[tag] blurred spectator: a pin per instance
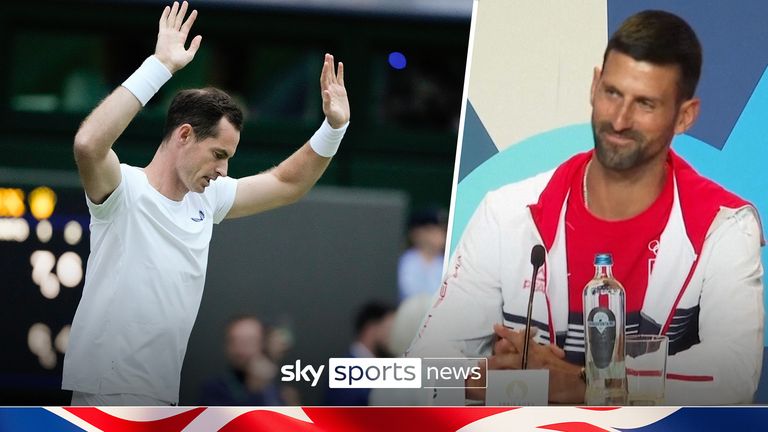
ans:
(250, 378)
(420, 269)
(279, 341)
(373, 325)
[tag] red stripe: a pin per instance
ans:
(266, 421)
(573, 427)
(643, 373)
(597, 408)
(693, 378)
(386, 419)
(680, 296)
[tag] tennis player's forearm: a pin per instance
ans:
(301, 171)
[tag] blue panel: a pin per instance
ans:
(734, 40)
(33, 419)
(477, 145)
(710, 419)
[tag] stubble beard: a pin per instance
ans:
(614, 158)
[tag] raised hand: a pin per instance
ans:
(335, 102)
(172, 36)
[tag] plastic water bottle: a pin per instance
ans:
(604, 314)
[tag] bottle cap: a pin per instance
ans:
(603, 259)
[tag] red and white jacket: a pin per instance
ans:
(707, 275)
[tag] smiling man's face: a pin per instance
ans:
(635, 110)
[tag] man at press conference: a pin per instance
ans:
(686, 250)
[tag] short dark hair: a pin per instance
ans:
(661, 38)
(427, 216)
(370, 313)
(202, 109)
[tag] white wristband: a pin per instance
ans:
(147, 79)
(326, 140)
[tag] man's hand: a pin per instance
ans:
(565, 385)
(335, 102)
(508, 351)
(172, 36)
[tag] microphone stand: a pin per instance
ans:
(537, 260)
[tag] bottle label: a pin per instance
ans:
(601, 325)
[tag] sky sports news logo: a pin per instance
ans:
(391, 372)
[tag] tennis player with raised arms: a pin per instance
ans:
(151, 226)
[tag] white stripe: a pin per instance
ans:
(531, 419)
(213, 419)
(676, 332)
(513, 326)
(680, 324)
(77, 421)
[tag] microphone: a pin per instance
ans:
(537, 260)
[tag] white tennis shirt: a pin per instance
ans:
(143, 286)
